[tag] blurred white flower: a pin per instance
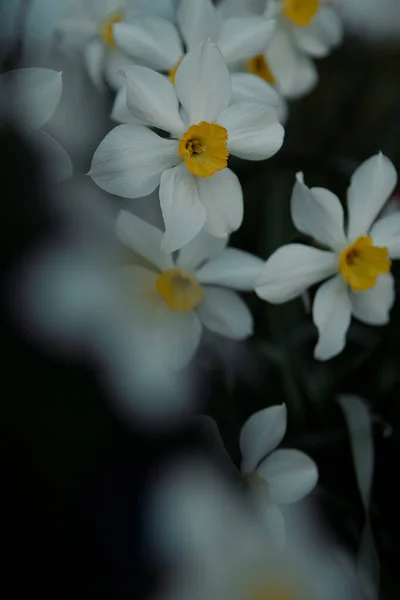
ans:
(304, 30)
(88, 26)
(158, 44)
(65, 297)
(31, 96)
(174, 299)
(215, 549)
(376, 20)
(274, 477)
(363, 286)
(196, 188)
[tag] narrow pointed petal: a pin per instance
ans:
(202, 248)
(183, 212)
(292, 269)
(222, 198)
(232, 268)
(35, 94)
(371, 185)
(224, 312)
(290, 475)
(151, 41)
(254, 132)
(261, 434)
(198, 21)
(386, 232)
(373, 306)
(203, 84)
(151, 98)
(142, 238)
(332, 316)
(130, 160)
(318, 213)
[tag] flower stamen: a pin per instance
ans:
(180, 291)
(259, 66)
(203, 148)
(301, 12)
(106, 30)
(173, 71)
(361, 263)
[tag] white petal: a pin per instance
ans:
(130, 160)
(94, 54)
(34, 92)
(183, 213)
(203, 84)
(222, 198)
(120, 111)
(386, 232)
(373, 306)
(261, 434)
(371, 185)
(151, 41)
(198, 21)
(241, 38)
(151, 98)
(178, 333)
(332, 316)
(224, 312)
(113, 63)
(251, 88)
(57, 162)
(142, 238)
(290, 475)
(294, 72)
(318, 213)
(324, 32)
(203, 247)
(273, 522)
(291, 269)
(174, 335)
(232, 268)
(254, 131)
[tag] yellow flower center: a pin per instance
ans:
(106, 30)
(301, 12)
(203, 148)
(179, 290)
(173, 71)
(259, 66)
(361, 263)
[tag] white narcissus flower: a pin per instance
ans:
(305, 30)
(196, 188)
(174, 299)
(275, 477)
(158, 44)
(88, 27)
(357, 268)
(31, 96)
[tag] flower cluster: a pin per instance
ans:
(193, 87)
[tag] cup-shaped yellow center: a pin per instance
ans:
(173, 71)
(179, 290)
(203, 148)
(106, 30)
(259, 66)
(361, 263)
(301, 12)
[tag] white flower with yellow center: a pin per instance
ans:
(88, 27)
(32, 96)
(305, 29)
(359, 262)
(174, 299)
(274, 477)
(158, 44)
(196, 188)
